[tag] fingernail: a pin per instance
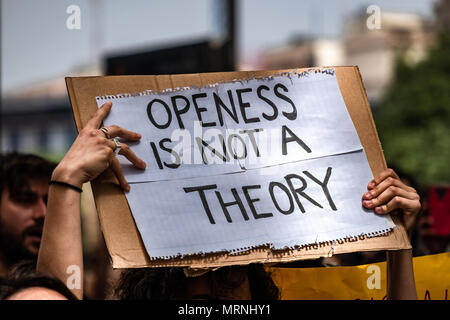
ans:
(368, 202)
(372, 184)
(368, 195)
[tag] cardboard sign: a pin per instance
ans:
(222, 187)
(124, 242)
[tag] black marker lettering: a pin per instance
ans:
(200, 143)
(323, 185)
(269, 102)
(232, 150)
(199, 110)
(237, 201)
(156, 154)
(169, 150)
(251, 200)
(177, 111)
(299, 191)
(201, 193)
(243, 105)
(293, 137)
(220, 104)
(272, 185)
(252, 139)
(293, 114)
(150, 114)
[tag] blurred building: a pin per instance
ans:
(305, 52)
(215, 53)
(373, 50)
(195, 56)
(38, 118)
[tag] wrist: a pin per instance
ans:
(68, 175)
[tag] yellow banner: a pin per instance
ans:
(365, 282)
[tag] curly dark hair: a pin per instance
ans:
(18, 169)
(23, 276)
(170, 283)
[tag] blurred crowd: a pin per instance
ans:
(24, 192)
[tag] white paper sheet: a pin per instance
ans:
(322, 121)
(173, 222)
(318, 126)
(287, 132)
(131, 113)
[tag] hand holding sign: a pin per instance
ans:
(92, 153)
(388, 193)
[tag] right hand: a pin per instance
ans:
(92, 153)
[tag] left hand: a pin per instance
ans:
(388, 193)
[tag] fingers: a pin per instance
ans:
(385, 197)
(99, 115)
(126, 151)
(392, 186)
(116, 131)
(118, 171)
(117, 168)
(388, 173)
(112, 132)
(387, 193)
(131, 156)
(407, 205)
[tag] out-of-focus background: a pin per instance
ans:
(402, 49)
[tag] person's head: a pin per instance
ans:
(23, 204)
(235, 282)
(24, 283)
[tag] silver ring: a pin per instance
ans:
(106, 132)
(118, 146)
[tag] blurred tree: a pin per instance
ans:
(413, 119)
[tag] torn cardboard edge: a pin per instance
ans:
(290, 74)
(269, 247)
(265, 255)
(121, 236)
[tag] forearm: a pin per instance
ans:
(92, 152)
(60, 252)
(400, 275)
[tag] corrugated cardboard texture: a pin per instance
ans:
(119, 229)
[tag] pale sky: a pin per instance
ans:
(36, 44)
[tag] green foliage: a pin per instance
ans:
(413, 119)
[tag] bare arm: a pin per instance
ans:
(386, 194)
(400, 276)
(61, 252)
